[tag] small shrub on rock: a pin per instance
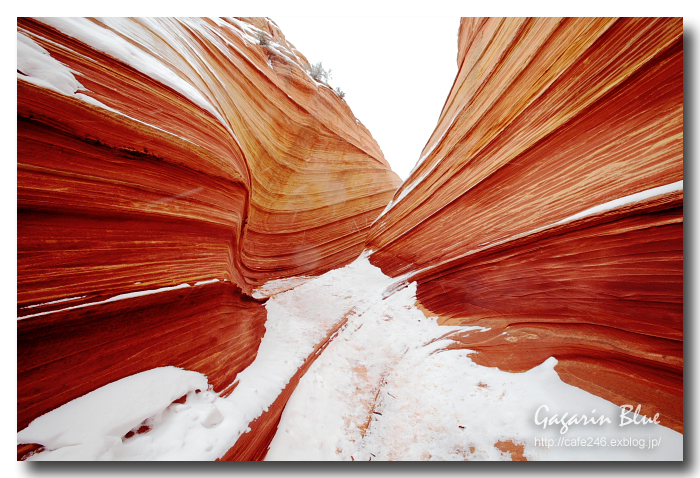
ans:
(319, 73)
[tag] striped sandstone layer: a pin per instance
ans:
(548, 204)
(154, 153)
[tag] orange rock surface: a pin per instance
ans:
(212, 329)
(269, 169)
(187, 152)
(546, 119)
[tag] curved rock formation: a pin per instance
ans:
(154, 153)
(548, 204)
(189, 123)
(167, 169)
(212, 329)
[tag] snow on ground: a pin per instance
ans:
(384, 389)
(207, 425)
(112, 410)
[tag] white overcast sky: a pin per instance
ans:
(396, 73)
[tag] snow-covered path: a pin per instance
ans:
(385, 388)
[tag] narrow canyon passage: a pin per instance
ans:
(215, 261)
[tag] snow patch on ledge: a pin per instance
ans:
(112, 410)
(54, 302)
(128, 295)
(37, 66)
(203, 282)
(119, 48)
(632, 198)
(111, 299)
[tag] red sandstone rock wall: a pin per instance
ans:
(212, 329)
(548, 118)
(268, 167)
(189, 152)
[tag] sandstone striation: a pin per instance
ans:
(168, 169)
(154, 153)
(548, 204)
